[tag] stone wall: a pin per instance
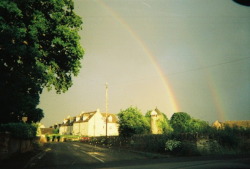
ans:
(10, 145)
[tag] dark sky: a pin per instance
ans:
(191, 56)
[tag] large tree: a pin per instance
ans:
(180, 122)
(131, 121)
(39, 47)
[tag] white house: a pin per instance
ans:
(66, 127)
(94, 124)
(112, 124)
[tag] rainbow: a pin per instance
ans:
(174, 104)
(216, 99)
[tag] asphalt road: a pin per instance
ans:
(74, 155)
(78, 155)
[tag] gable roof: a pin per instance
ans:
(70, 121)
(45, 131)
(114, 117)
(85, 117)
(158, 111)
(217, 124)
(242, 123)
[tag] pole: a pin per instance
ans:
(106, 109)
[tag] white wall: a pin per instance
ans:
(113, 129)
(96, 125)
(84, 129)
(65, 130)
(76, 127)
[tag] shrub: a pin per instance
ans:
(19, 130)
(215, 147)
(53, 138)
(56, 131)
(228, 137)
(187, 148)
(172, 144)
(58, 138)
(48, 138)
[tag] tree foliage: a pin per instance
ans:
(39, 47)
(198, 126)
(131, 121)
(182, 122)
(163, 124)
(19, 130)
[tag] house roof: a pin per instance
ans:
(85, 117)
(46, 131)
(243, 123)
(114, 117)
(67, 124)
(217, 124)
(158, 111)
(70, 121)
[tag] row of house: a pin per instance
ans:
(90, 124)
(242, 123)
(101, 124)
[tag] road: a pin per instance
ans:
(79, 155)
(74, 155)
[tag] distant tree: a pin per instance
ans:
(165, 124)
(131, 121)
(183, 122)
(162, 122)
(198, 126)
(55, 131)
(148, 115)
(39, 47)
(180, 122)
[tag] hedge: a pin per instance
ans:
(19, 130)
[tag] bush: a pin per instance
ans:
(172, 144)
(19, 130)
(58, 138)
(187, 148)
(48, 138)
(228, 137)
(150, 143)
(215, 147)
(56, 131)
